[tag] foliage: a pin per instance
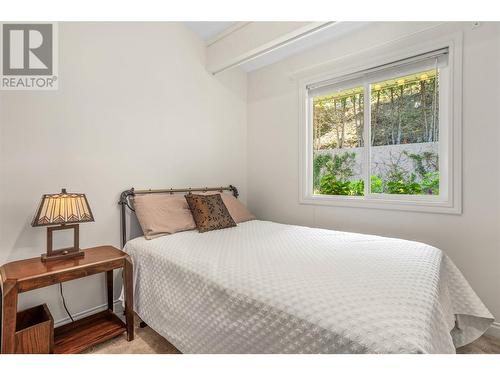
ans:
(424, 163)
(400, 184)
(357, 187)
(376, 184)
(403, 110)
(340, 118)
(341, 166)
(430, 183)
(334, 176)
(336, 179)
(319, 163)
(405, 113)
(329, 185)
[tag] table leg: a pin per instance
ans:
(9, 313)
(129, 297)
(109, 285)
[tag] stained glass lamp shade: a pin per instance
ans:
(62, 211)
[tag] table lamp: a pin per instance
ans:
(60, 212)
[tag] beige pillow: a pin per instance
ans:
(236, 209)
(161, 214)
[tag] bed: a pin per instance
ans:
(265, 287)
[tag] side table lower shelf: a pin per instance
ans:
(81, 334)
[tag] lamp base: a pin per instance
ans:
(63, 254)
(67, 253)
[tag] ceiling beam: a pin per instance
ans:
(256, 39)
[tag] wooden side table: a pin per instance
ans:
(24, 275)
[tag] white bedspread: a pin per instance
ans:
(263, 287)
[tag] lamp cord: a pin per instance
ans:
(64, 302)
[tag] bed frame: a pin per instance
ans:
(125, 201)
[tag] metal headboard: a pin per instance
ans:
(125, 200)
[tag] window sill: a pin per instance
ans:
(382, 203)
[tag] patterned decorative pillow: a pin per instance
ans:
(209, 212)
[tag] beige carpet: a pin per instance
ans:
(148, 341)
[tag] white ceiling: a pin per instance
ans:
(208, 30)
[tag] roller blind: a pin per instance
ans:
(434, 59)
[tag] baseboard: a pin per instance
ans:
(494, 330)
(117, 307)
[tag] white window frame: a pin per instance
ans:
(450, 134)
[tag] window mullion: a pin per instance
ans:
(367, 138)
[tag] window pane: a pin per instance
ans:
(405, 135)
(338, 143)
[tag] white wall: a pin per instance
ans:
(135, 107)
(470, 239)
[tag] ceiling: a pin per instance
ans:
(207, 30)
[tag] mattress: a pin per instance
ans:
(264, 287)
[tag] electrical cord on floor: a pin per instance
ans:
(64, 302)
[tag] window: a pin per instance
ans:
(383, 137)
